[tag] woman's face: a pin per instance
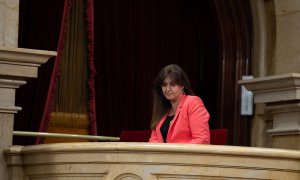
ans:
(171, 90)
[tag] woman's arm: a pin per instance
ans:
(198, 120)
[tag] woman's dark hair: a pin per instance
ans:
(160, 104)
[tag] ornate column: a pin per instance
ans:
(16, 65)
(9, 22)
(281, 96)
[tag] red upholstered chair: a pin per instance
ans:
(218, 136)
(135, 135)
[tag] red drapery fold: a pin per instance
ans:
(56, 69)
(91, 84)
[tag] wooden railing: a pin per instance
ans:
(137, 161)
(61, 135)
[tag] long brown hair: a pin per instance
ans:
(160, 104)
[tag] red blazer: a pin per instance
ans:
(190, 123)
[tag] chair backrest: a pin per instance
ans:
(218, 136)
(135, 135)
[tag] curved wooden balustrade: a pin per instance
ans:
(63, 135)
(135, 161)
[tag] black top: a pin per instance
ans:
(165, 127)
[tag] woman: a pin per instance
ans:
(178, 116)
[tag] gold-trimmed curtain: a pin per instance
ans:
(70, 104)
(72, 89)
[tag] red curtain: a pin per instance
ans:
(56, 69)
(37, 105)
(58, 61)
(39, 28)
(91, 81)
(134, 39)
